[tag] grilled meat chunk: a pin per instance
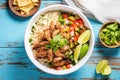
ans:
(64, 49)
(61, 63)
(41, 52)
(56, 59)
(50, 55)
(52, 27)
(47, 34)
(55, 33)
(40, 44)
(59, 54)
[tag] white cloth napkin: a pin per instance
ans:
(103, 10)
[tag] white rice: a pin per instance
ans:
(43, 22)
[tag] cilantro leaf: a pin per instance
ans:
(57, 42)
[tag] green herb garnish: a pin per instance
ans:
(57, 42)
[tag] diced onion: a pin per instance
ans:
(66, 21)
(72, 33)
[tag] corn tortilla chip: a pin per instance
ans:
(22, 13)
(35, 1)
(36, 4)
(15, 2)
(17, 8)
(27, 8)
(22, 3)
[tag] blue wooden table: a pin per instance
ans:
(15, 64)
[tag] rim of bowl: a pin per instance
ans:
(41, 66)
(104, 26)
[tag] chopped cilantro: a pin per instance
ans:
(57, 42)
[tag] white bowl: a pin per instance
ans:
(29, 50)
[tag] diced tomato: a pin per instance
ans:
(73, 25)
(68, 66)
(80, 21)
(72, 33)
(81, 25)
(76, 38)
(71, 29)
(64, 15)
(59, 68)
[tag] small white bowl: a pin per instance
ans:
(29, 50)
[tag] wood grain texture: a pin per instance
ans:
(15, 65)
(3, 5)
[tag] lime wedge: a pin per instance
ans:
(107, 70)
(77, 53)
(84, 37)
(101, 66)
(84, 50)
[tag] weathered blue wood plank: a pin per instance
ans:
(15, 60)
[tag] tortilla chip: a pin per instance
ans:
(22, 13)
(27, 8)
(36, 4)
(17, 8)
(15, 2)
(22, 3)
(34, 1)
(27, 13)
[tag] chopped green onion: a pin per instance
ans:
(33, 28)
(30, 40)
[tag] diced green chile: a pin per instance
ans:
(112, 26)
(111, 34)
